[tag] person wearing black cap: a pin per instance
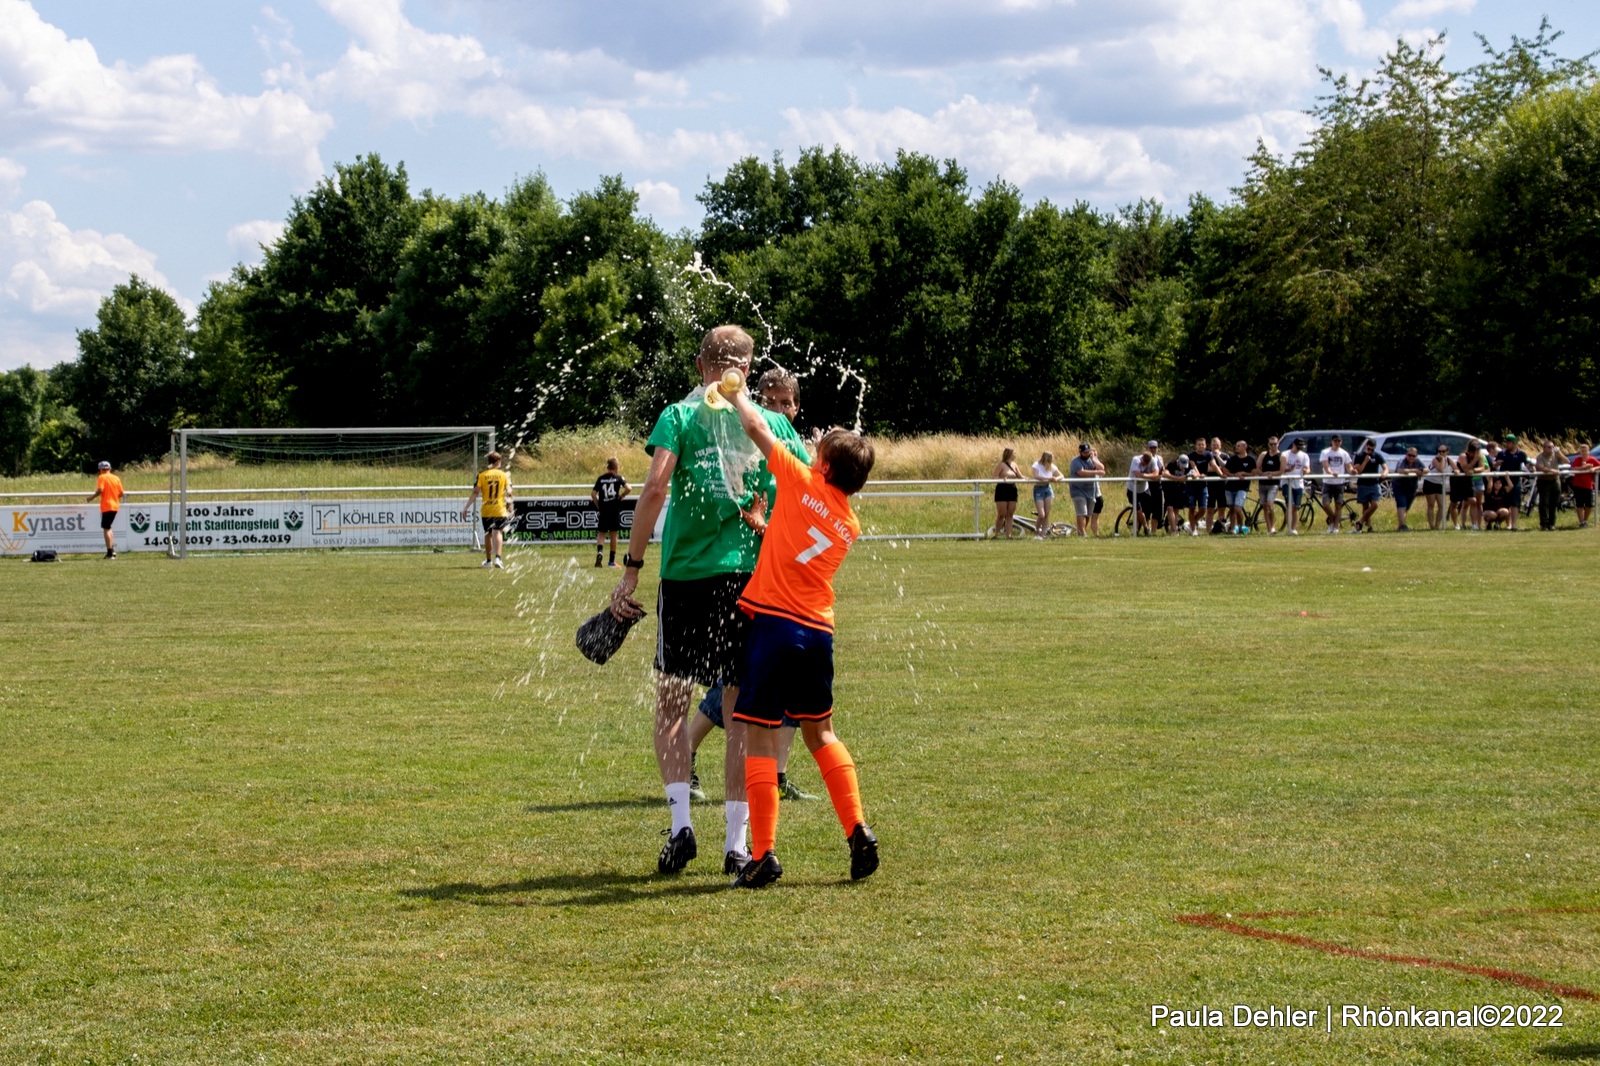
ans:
(108, 490)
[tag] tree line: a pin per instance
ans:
(1430, 256)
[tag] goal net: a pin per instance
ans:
(243, 489)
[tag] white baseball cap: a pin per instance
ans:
(104, 465)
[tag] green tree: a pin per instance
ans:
(22, 393)
(310, 304)
(1527, 336)
(236, 382)
(132, 372)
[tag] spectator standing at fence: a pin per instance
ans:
(1513, 460)
(610, 489)
(1434, 484)
(1472, 466)
(1583, 483)
(1241, 466)
(108, 490)
(1081, 473)
(1144, 475)
(1045, 474)
(1407, 477)
(1099, 492)
(1175, 491)
(1371, 472)
(1296, 465)
(1197, 490)
(1269, 463)
(1217, 472)
(494, 488)
(1335, 463)
(1548, 464)
(1006, 473)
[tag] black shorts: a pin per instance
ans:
(106, 518)
(700, 631)
(1582, 497)
(610, 519)
(1460, 488)
(788, 671)
(1006, 493)
(1099, 505)
(1432, 488)
(492, 524)
(1333, 494)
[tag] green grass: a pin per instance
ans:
(353, 807)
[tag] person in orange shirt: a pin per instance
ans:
(788, 664)
(108, 490)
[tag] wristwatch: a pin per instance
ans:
(631, 563)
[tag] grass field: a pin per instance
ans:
(354, 808)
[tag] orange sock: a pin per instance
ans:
(839, 774)
(761, 789)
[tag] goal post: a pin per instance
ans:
(378, 486)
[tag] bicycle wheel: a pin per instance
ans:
(1124, 523)
(1280, 516)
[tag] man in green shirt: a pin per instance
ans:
(718, 483)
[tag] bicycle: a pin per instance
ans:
(1031, 525)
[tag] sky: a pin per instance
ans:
(169, 139)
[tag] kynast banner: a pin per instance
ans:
(242, 525)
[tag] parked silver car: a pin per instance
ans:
(1318, 439)
(1392, 446)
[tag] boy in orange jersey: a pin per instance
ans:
(108, 490)
(788, 665)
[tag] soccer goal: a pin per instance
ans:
(381, 487)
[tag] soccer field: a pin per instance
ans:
(375, 808)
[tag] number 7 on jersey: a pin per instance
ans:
(819, 544)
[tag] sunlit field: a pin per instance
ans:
(363, 808)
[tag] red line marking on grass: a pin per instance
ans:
(1226, 924)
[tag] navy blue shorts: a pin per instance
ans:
(788, 672)
(711, 707)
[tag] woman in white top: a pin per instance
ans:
(1045, 474)
(1434, 483)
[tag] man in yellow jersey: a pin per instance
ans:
(494, 486)
(108, 490)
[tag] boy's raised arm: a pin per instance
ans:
(755, 427)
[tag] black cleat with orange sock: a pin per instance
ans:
(863, 852)
(759, 873)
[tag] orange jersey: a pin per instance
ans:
(110, 488)
(811, 528)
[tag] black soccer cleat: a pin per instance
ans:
(863, 852)
(734, 861)
(677, 851)
(759, 873)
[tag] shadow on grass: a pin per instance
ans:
(587, 890)
(1570, 1052)
(593, 805)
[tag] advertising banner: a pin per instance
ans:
(560, 518)
(252, 524)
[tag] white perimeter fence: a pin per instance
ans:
(429, 516)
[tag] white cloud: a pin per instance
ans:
(659, 199)
(52, 270)
(988, 139)
(55, 93)
(11, 175)
(248, 238)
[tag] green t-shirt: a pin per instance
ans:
(718, 469)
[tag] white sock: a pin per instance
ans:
(738, 812)
(678, 804)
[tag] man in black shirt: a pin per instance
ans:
(1200, 493)
(1512, 460)
(607, 496)
(1239, 465)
